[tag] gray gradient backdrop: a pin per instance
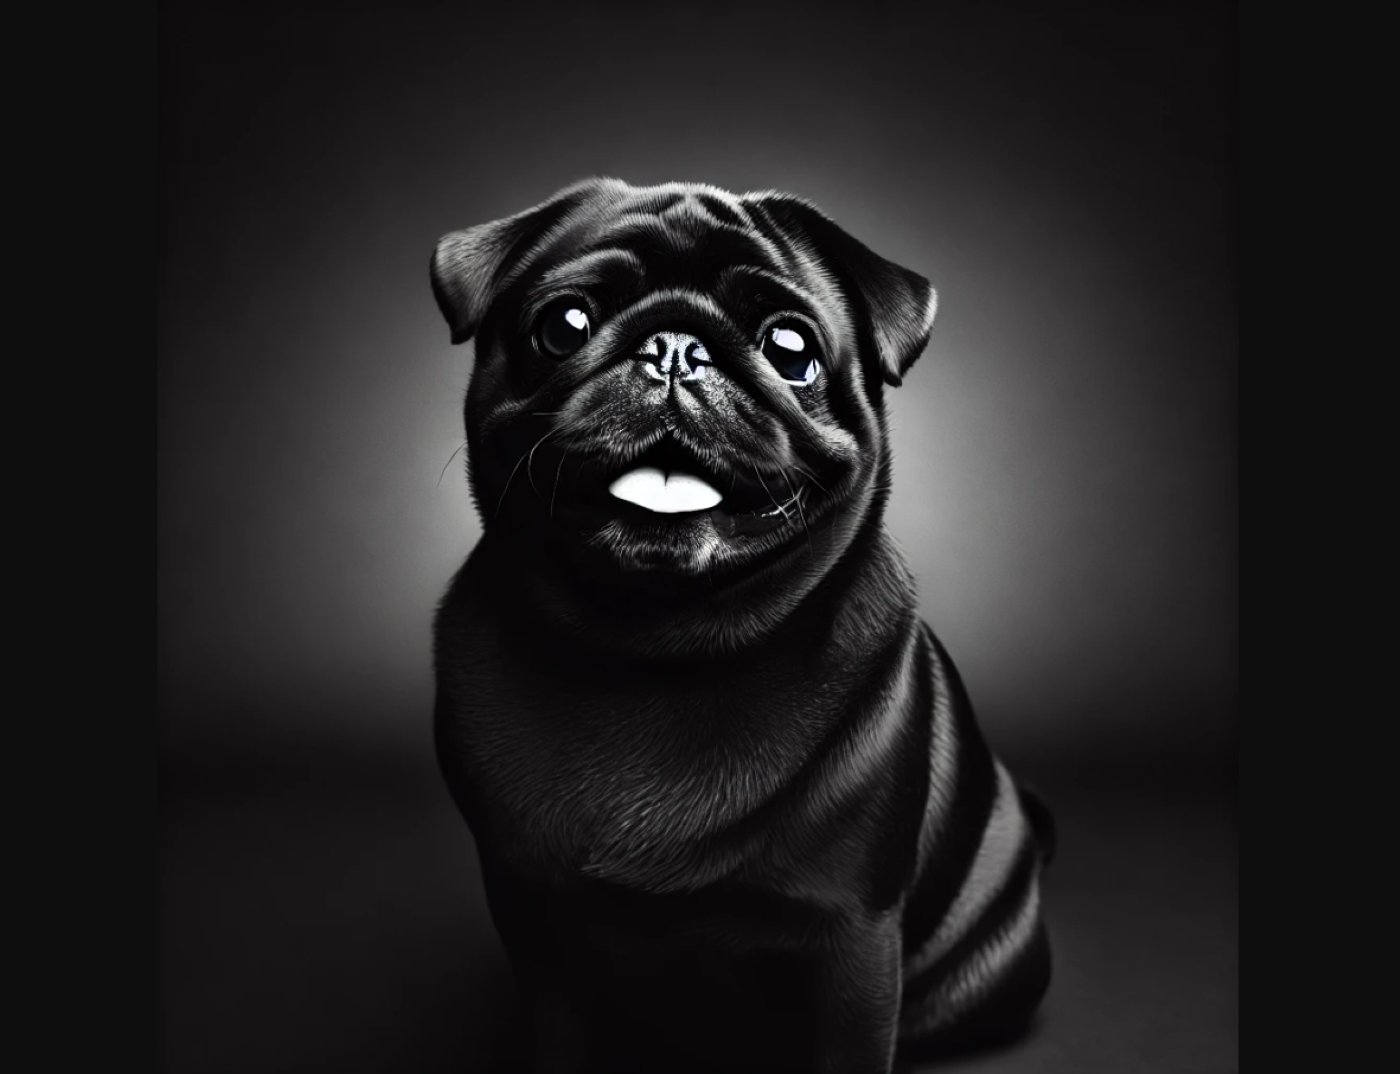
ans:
(1065, 480)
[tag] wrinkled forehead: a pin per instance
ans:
(686, 236)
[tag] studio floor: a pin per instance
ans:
(337, 924)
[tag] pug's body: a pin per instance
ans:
(731, 804)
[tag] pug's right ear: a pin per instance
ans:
(469, 266)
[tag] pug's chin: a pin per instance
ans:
(688, 545)
(700, 542)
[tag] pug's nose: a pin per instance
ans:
(668, 355)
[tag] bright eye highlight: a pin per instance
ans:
(792, 349)
(563, 328)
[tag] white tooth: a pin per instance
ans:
(686, 492)
(642, 486)
(667, 495)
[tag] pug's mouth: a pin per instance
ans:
(669, 487)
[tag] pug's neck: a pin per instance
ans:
(529, 716)
(639, 616)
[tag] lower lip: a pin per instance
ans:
(750, 525)
(727, 525)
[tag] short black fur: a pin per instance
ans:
(732, 805)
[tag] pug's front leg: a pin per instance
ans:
(859, 987)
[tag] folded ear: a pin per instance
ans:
(899, 303)
(468, 266)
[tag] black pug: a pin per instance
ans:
(731, 804)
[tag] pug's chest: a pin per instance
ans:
(632, 784)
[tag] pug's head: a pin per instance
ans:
(678, 389)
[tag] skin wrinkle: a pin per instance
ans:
(582, 271)
(943, 753)
(1005, 839)
(981, 969)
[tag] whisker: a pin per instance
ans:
(812, 478)
(797, 500)
(563, 456)
(516, 469)
(449, 463)
(554, 492)
(529, 472)
(781, 509)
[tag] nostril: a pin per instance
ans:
(695, 352)
(674, 354)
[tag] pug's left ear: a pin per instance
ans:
(900, 303)
(468, 266)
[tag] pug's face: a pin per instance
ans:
(678, 381)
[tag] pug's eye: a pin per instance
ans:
(792, 349)
(563, 328)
